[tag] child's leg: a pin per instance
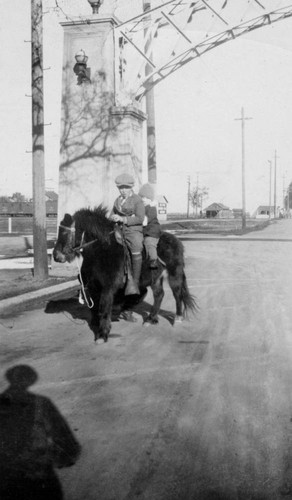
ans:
(151, 248)
(134, 240)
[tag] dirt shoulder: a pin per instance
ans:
(14, 282)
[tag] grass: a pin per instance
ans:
(215, 226)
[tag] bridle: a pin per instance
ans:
(71, 229)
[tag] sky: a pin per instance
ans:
(198, 133)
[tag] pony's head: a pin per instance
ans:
(64, 247)
(85, 226)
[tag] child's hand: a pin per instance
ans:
(117, 218)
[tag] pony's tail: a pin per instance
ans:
(188, 300)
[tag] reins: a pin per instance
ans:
(68, 228)
(90, 306)
(84, 245)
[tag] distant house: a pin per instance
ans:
(25, 208)
(51, 204)
(219, 211)
(51, 196)
(264, 212)
(16, 208)
(237, 212)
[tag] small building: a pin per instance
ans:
(219, 211)
(50, 195)
(11, 208)
(237, 213)
(264, 212)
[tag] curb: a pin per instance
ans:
(37, 296)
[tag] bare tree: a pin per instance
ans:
(197, 196)
(86, 122)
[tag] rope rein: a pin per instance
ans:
(68, 228)
(91, 304)
(82, 245)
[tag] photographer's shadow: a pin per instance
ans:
(34, 439)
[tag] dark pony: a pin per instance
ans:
(103, 268)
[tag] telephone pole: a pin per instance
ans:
(150, 110)
(197, 201)
(242, 119)
(284, 178)
(275, 185)
(188, 194)
(38, 167)
(270, 191)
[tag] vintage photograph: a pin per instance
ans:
(146, 250)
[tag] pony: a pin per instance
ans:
(103, 270)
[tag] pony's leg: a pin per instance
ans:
(94, 293)
(175, 282)
(104, 315)
(158, 294)
(127, 312)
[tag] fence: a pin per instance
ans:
(24, 225)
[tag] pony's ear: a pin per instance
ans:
(68, 220)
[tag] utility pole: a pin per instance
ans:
(188, 194)
(197, 200)
(283, 177)
(275, 185)
(150, 110)
(242, 119)
(270, 191)
(38, 167)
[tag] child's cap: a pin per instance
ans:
(125, 180)
(147, 191)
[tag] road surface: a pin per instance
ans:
(197, 411)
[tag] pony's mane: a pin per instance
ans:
(94, 222)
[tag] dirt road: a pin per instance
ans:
(197, 411)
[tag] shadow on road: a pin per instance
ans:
(81, 312)
(34, 440)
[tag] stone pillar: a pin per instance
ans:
(99, 139)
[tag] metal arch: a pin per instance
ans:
(198, 50)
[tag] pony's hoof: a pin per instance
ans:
(128, 316)
(100, 337)
(150, 321)
(178, 319)
(100, 340)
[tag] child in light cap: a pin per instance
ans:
(151, 226)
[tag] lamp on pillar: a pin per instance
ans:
(80, 68)
(95, 4)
